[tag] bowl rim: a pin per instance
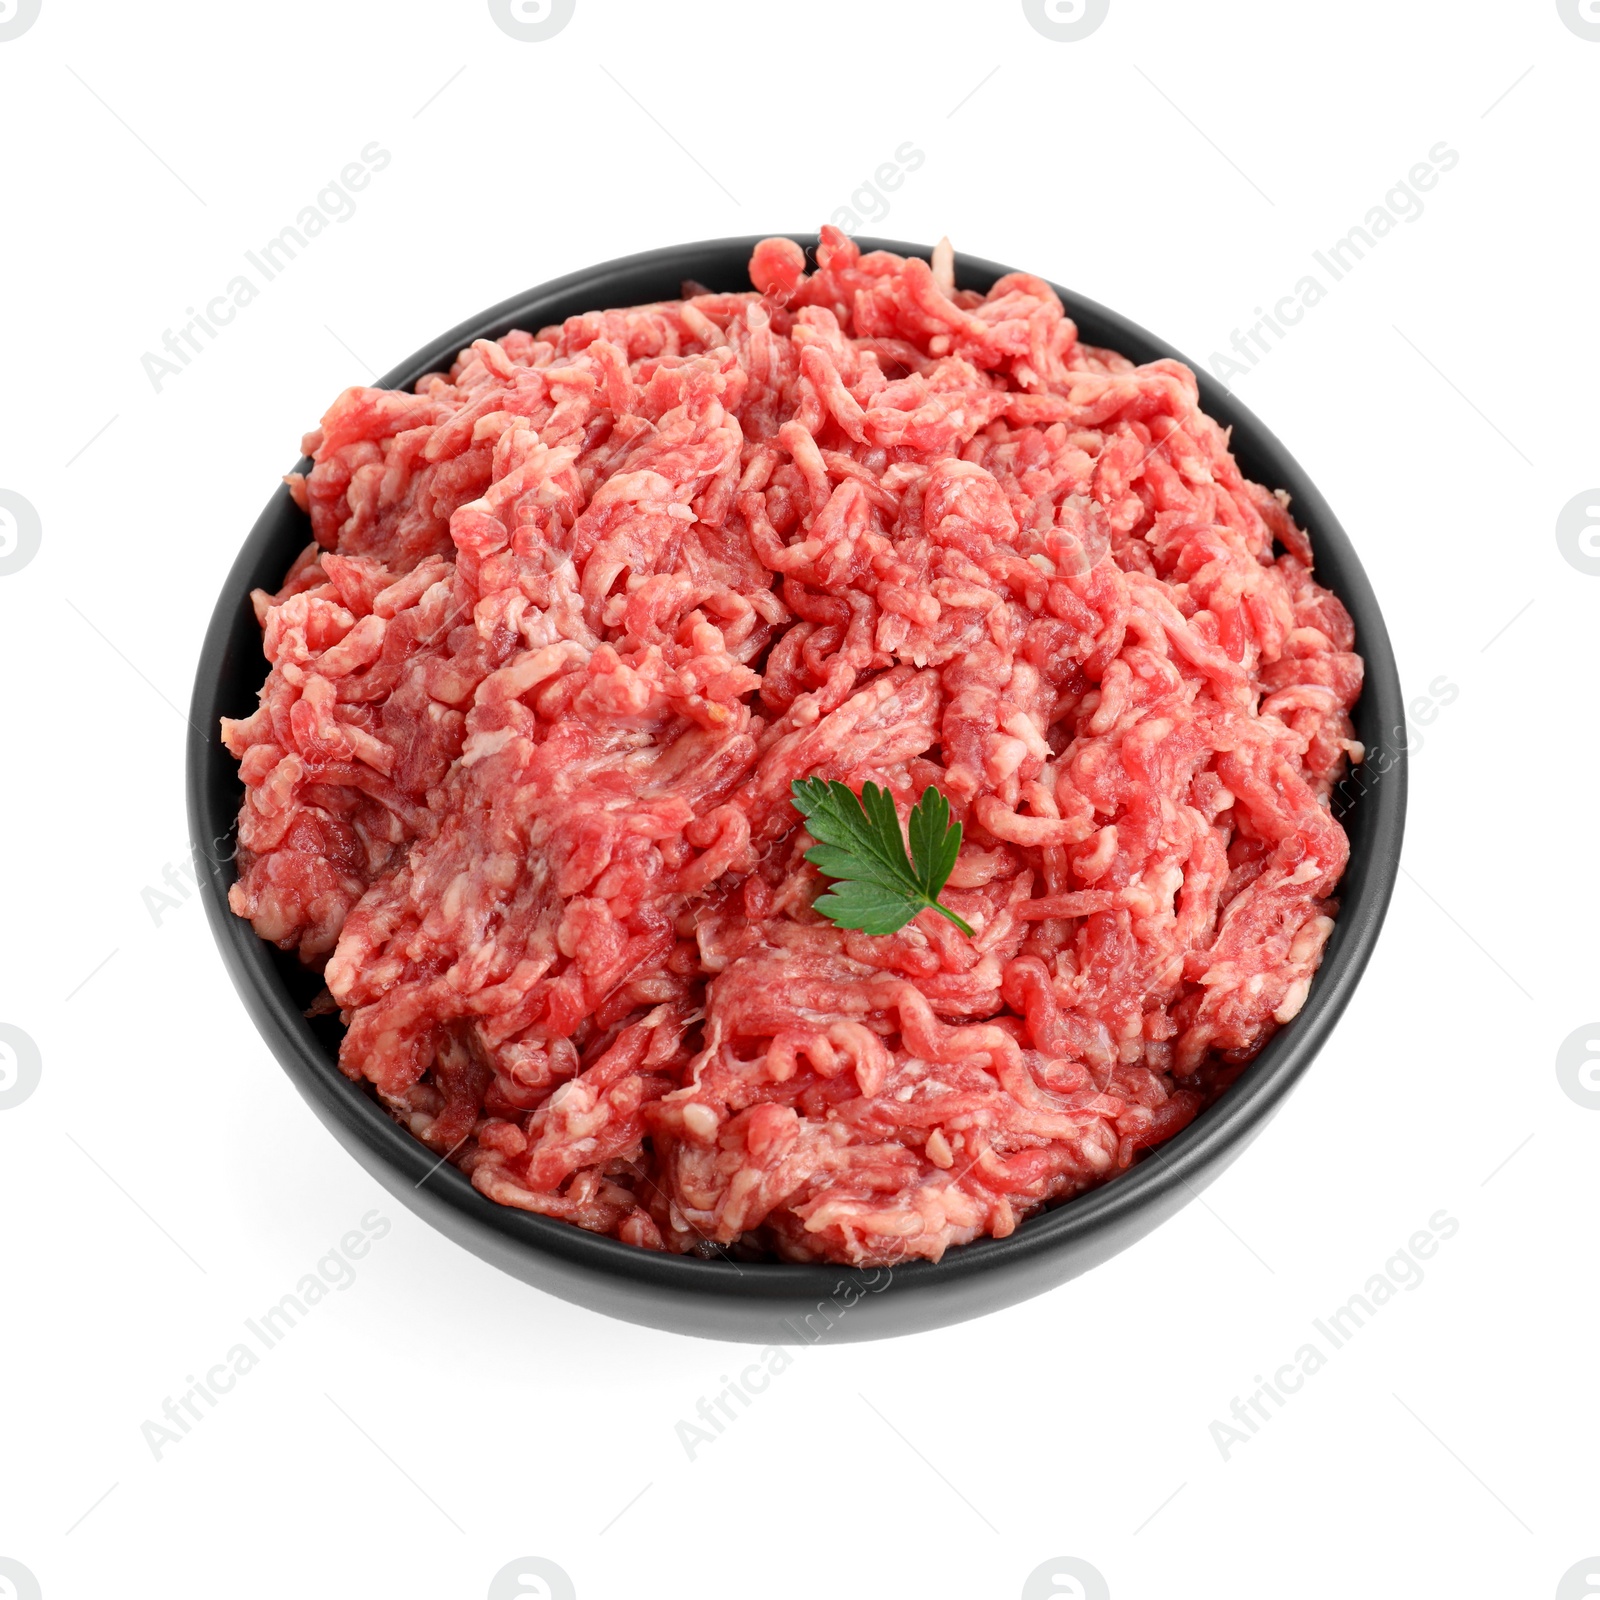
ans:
(717, 1296)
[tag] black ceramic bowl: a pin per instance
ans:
(770, 1302)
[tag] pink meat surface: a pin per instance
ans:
(580, 611)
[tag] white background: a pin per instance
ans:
(437, 1419)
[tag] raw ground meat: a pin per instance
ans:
(579, 612)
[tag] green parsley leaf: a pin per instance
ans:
(859, 843)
